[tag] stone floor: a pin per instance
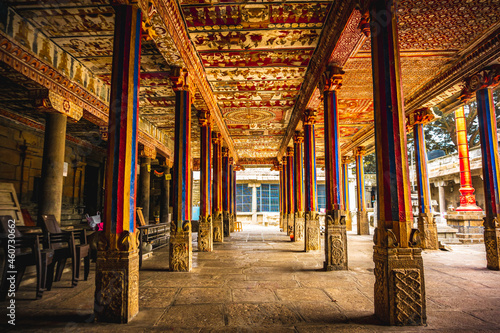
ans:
(259, 281)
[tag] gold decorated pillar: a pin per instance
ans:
(205, 227)
(362, 214)
(290, 192)
(218, 224)
(298, 143)
(346, 160)
(117, 267)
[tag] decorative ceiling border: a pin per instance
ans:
(338, 17)
(170, 13)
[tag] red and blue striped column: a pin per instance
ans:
(226, 190)
(362, 214)
(491, 173)
(205, 228)
(282, 194)
(217, 189)
(181, 251)
(426, 224)
(299, 223)
(397, 254)
(231, 195)
(284, 163)
(346, 160)
(118, 249)
(291, 192)
(311, 240)
(335, 229)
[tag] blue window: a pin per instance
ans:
(321, 196)
(243, 198)
(268, 198)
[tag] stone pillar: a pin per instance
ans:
(226, 192)
(362, 214)
(284, 163)
(52, 165)
(144, 185)
(291, 192)
(117, 267)
(181, 248)
(426, 223)
(298, 142)
(217, 189)
(481, 83)
(335, 228)
(442, 197)
(311, 237)
(399, 275)
(467, 197)
(345, 191)
(205, 227)
(165, 195)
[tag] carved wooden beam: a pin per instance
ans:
(337, 19)
(170, 13)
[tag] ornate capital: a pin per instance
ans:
(332, 78)
(276, 166)
(298, 137)
(359, 151)
(204, 118)
(364, 23)
(346, 159)
(231, 160)
(486, 78)
(419, 116)
(216, 138)
(283, 161)
(225, 152)
(148, 151)
(289, 151)
(49, 101)
(179, 77)
(310, 117)
(238, 167)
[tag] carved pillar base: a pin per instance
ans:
(232, 222)
(428, 231)
(348, 219)
(363, 226)
(226, 217)
(335, 242)
(311, 238)
(205, 234)
(181, 250)
(218, 228)
(299, 222)
(492, 243)
(117, 286)
(282, 221)
(399, 282)
(290, 218)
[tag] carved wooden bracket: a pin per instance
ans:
(419, 116)
(53, 102)
(486, 78)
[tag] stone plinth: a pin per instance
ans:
(428, 231)
(227, 223)
(180, 250)
(117, 286)
(218, 228)
(311, 240)
(205, 234)
(399, 286)
(348, 219)
(232, 222)
(363, 226)
(290, 218)
(335, 242)
(299, 227)
(465, 219)
(492, 244)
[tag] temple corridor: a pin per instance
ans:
(257, 280)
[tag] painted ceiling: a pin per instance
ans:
(255, 55)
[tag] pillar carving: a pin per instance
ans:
(217, 221)
(299, 222)
(205, 227)
(346, 160)
(180, 250)
(399, 276)
(335, 228)
(291, 192)
(361, 214)
(482, 84)
(117, 267)
(311, 240)
(426, 223)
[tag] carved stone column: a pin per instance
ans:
(482, 83)
(226, 192)
(346, 160)
(205, 227)
(426, 223)
(362, 214)
(399, 275)
(181, 249)
(291, 192)
(335, 229)
(217, 189)
(117, 267)
(311, 240)
(299, 220)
